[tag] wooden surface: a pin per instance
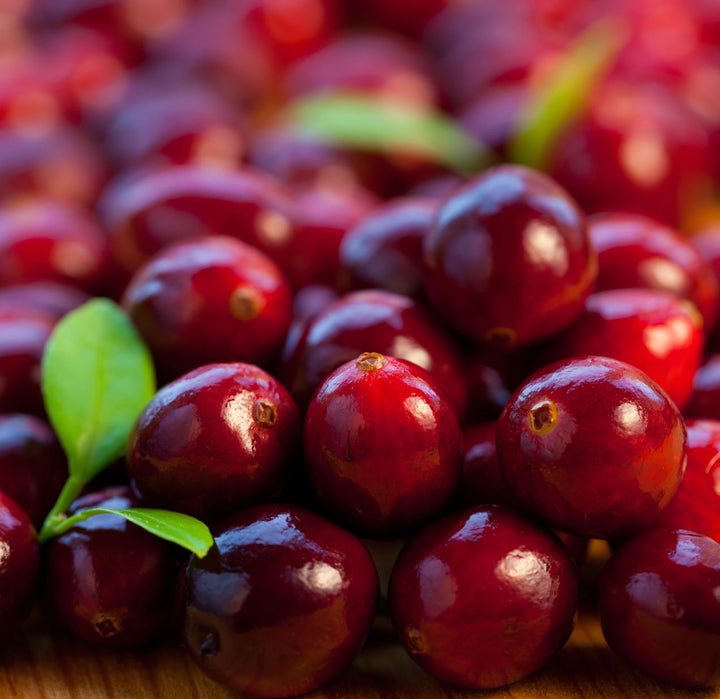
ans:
(38, 665)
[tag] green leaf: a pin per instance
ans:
(387, 126)
(97, 375)
(560, 99)
(180, 529)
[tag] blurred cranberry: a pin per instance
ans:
(707, 243)
(705, 398)
(52, 298)
(399, 16)
(437, 187)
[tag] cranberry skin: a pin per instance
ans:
(384, 251)
(109, 581)
(705, 399)
(376, 321)
(33, 468)
(508, 259)
(484, 597)
(659, 607)
(636, 252)
(280, 605)
(210, 300)
(53, 298)
(652, 330)
(593, 447)
(382, 445)
(220, 438)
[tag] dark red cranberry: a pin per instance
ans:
(220, 438)
(398, 16)
(484, 597)
(210, 300)
(652, 330)
(636, 252)
(659, 606)
(374, 321)
(33, 468)
(593, 447)
(508, 259)
(705, 399)
(109, 581)
(282, 588)
(382, 445)
(707, 242)
(52, 298)
(384, 251)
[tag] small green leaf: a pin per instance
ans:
(387, 126)
(560, 99)
(96, 377)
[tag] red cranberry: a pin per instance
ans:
(593, 447)
(209, 300)
(110, 582)
(652, 330)
(282, 588)
(398, 16)
(52, 298)
(659, 606)
(484, 597)
(220, 438)
(705, 399)
(382, 445)
(509, 260)
(636, 252)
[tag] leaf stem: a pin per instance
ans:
(53, 524)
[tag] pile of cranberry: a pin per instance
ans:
(352, 342)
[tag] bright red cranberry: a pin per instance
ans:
(110, 582)
(652, 330)
(384, 251)
(508, 259)
(382, 445)
(374, 321)
(220, 438)
(636, 252)
(52, 298)
(210, 300)
(33, 468)
(484, 597)
(593, 447)
(281, 588)
(705, 399)
(659, 606)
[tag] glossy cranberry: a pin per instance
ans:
(652, 330)
(52, 298)
(484, 597)
(382, 445)
(384, 251)
(220, 438)
(374, 321)
(109, 581)
(659, 608)
(508, 259)
(593, 447)
(636, 252)
(210, 300)
(705, 399)
(280, 605)
(33, 468)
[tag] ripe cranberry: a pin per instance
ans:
(593, 447)
(311, 300)
(508, 259)
(384, 251)
(398, 16)
(219, 438)
(636, 252)
(282, 588)
(705, 399)
(209, 300)
(49, 297)
(382, 445)
(659, 606)
(376, 321)
(33, 468)
(484, 597)
(109, 581)
(707, 242)
(652, 330)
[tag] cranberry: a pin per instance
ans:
(398, 16)
(382, 445)
(220, 438)
(110, 582)
(282, 588)
(659, 606)
(705, 399)
(484, 597)
(213, 299)
(652, 330)
(52, 298)
(593, 447)
(509, 260)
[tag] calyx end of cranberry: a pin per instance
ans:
(264, 413)
(245, 303)
(416, 642)
(543, 417)
(370, 361)
(501, 337)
